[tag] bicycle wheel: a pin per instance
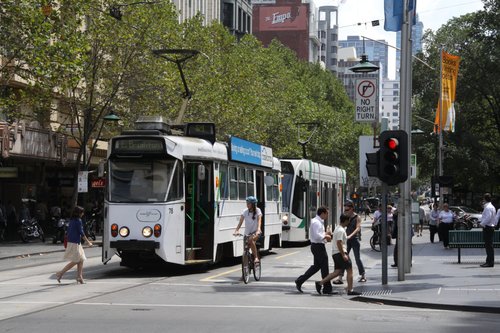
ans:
(375, 243)
(245, 268)
(256, 270)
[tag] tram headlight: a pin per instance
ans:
(124, 231)
(284, 219)
(114, 230)
(157, 230)
(147, 232)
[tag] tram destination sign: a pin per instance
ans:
(250, 152)
(366, 100)
(138, 145)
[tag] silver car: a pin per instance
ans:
(474, 215)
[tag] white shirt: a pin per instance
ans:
(251, 224)
(489, 215)
(317, 230)
(497, 218)
(434, 217)
(339, 234)
(377, 217)
(446, 217)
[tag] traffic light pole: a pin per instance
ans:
(383, 234)
(404, 209)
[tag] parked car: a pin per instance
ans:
(475, 216)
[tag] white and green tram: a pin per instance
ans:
(178, 198)
(306, 186)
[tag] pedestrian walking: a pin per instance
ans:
(74, 250)
(353, 237)
(340, 257)
(433, 222)
(488, 223)
(445, 219)
(368, 210)
(318, 238)
(421, 218)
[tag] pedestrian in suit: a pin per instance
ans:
(488, 223)
(318, 238)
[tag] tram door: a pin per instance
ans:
(199, 224)
(259, 183)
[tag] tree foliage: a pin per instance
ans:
(95, 64)
(471, 152)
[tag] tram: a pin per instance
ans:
(178, 197)
(306, 186)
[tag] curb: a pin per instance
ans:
(414, 304)
(23, 255)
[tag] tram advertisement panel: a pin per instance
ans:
(250, 152)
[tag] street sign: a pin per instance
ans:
(83, 181)
(366, 100)
(366, 146)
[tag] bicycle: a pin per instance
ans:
(247, 262)
(375, 239)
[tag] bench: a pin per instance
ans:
(470, 239)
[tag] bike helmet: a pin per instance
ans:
(252, 199)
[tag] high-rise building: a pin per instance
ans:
(375, 50)
(417, 32)
(389, 106)
(328, 36)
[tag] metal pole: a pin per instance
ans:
(440, 127)
(404, 217)
(383, 234)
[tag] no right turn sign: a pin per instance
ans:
(366, 100)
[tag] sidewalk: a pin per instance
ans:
(19, 249)
(436, 280)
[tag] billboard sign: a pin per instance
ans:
(250, 152)
(285, 18)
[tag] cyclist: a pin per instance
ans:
(253, 219)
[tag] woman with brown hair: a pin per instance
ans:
(74, 250)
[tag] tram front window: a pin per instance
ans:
(139, 181)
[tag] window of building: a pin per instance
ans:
(395, 93)
(395, 107)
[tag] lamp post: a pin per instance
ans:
(365, 67)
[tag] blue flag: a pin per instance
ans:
(394, 14)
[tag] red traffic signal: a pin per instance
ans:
(393, 161)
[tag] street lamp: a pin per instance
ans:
(364, 66)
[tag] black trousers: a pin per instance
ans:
(433, 230)
(444, 228)
(488, 233)
(320, 263)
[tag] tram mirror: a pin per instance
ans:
(269, 180)
(201, 172)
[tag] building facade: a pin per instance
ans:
(375, 50)
(293, 22)
(329, 37)
(389, 107)
(417, 32)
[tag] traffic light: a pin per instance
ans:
(393, 157)
(372, 164)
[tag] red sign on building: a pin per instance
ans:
(98, 183)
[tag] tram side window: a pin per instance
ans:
(250, 183)
(224, 189)
(276, 189)
(313, 195)
(242, 181)
(177, 186)
(269, 189)
(233, 183)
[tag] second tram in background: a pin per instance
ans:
(178, 198)
(306, 186)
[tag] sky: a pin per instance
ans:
(432, 13)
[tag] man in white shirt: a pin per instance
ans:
(340, 257)
(488, 222)
(318, 238)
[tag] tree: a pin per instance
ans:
(471, 152)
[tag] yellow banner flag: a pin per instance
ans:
(449, 73)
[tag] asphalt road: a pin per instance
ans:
(173, 299)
